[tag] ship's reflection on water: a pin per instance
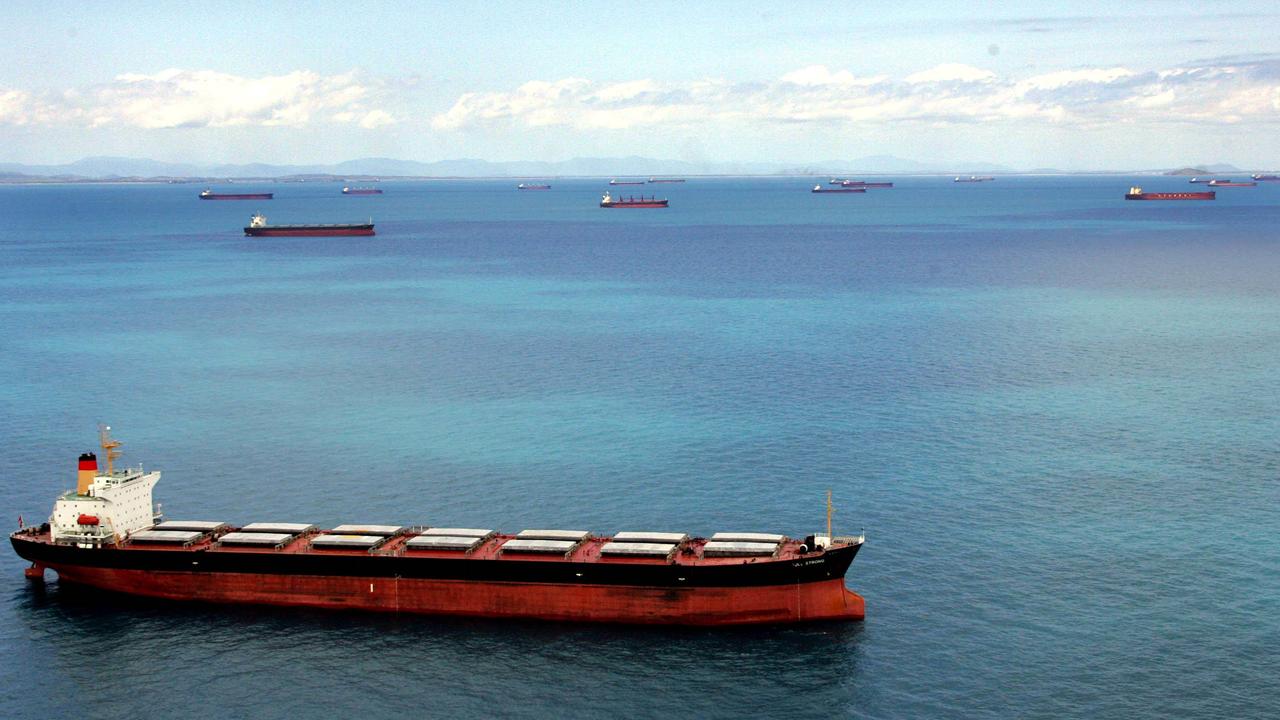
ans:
(180, 654)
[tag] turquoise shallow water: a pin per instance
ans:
(1053, 412)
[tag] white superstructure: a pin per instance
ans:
(121, 503)
(104, 507)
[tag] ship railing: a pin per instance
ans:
(99, 538)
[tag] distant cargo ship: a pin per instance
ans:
(841, 189)
(974, 179)
(258, 227)
(106, 534)
(666, 180)
(1267, 178)
(211, 195)
(864, 184)
(523, 186)
(626, 182)
(1136, 193)
(1200, 181)
(1231, 183)
(608, 201)
(361, 191)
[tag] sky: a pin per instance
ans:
(1076, 86)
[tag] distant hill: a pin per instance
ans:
(1205, 169)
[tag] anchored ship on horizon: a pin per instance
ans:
(107, 534)
(258, 227)
(838, 189)
(609, 201)
(1136, 193)
(211, 195)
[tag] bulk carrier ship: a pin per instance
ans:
(105, 534)
(1136, 193)
(258, 227)
(211, 195)
(609, 201)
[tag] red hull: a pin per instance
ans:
(634, 204)
(361, 192)
(823, 191)
(309, 232)
(1215, 183)
(1171, 196)
(241, 196)
(826, 600)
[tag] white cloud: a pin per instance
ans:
(535, 102)
(177, 98)
(951, 72)
(376, 119)
(821, 75)
(626, 90)
(1050, 81)
(946, 94)
(14, 106)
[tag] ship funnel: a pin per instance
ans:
(87, 472)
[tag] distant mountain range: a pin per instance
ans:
(122, 168)
(1210, 169)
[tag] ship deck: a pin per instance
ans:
(690, 552)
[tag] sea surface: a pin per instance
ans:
(1055, 414)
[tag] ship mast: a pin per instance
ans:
(108, 445)
(830, 510)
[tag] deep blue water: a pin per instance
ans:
(1053, 412)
